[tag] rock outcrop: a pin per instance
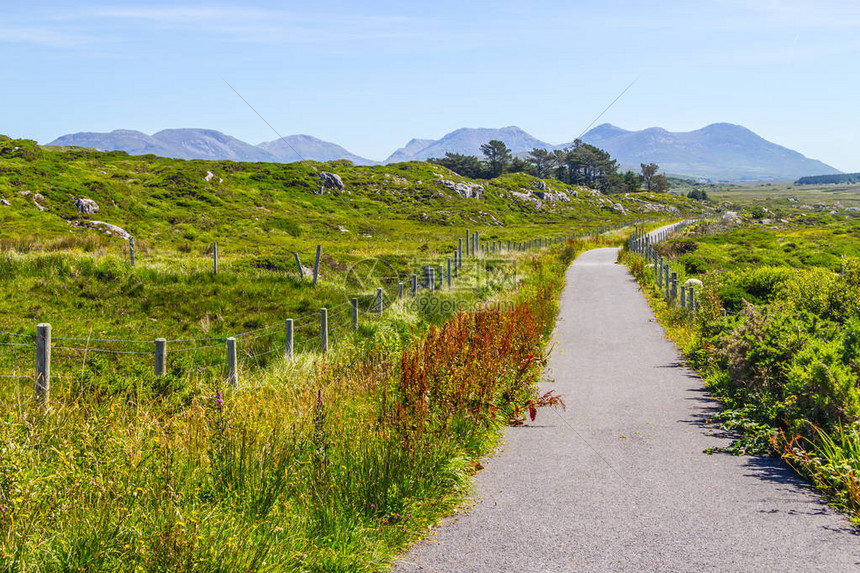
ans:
(86, 206)
(330, 181)
(465, 190)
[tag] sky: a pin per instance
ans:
(372, 75)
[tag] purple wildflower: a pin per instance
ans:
(218, 401)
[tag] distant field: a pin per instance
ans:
(781, 193)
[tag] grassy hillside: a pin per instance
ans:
(167, 204)
(58, 267)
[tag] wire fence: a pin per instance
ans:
(257, 349)
(665, 276)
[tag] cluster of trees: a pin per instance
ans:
(698, 195)
(579, 164)
(829, 179)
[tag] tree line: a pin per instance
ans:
(578, 164)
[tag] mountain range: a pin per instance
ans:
(717, 152)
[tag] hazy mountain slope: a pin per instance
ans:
(128, 140)
(209, 144)
(468, 141)
(408, 151)
(310, 148)
(720, 151)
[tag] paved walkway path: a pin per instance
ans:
(619, 481)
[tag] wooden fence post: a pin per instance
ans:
(414, 286)
(449, 273)
(288, 331)
(324, 330)
(441, 277)
(131, 249)
(215, 258)
(299, 264)
(459, 251)
(674, 294)
(683, 297)
(379, 301)
(399, 291)
(232, 363)
(467, 242)
(354, 302)
(317, 264)
(431, 278)
(43, 361)
(160, 356)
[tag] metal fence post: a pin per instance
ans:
(317, 264)
(379, 301)
(43, 361)
(324, 330)
(160, 356)
(288, 330)
(232, 363)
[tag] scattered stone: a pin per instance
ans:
(4, 202)
(423, 216)
(552, 196)
(465, 190)
(330, 181)
(209, 176)
(730, 215)
(693, 282)
(540, 185)
(87, 206)
(36, 198)
(112, 229)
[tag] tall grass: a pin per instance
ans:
(320, 464)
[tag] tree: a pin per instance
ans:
(498, 156)
(465, 165)
(648, 172)
(659, 183)
(698, 195)
(632, 182)
(518, 166)
(542, 160)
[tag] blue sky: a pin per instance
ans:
(372, 75)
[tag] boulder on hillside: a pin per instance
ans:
(552, 196)
(465, 190)
(540, 185)
(330, 181)
(86, 206)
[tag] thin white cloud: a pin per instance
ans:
(269, 26)
(803, 14)
(42, 37)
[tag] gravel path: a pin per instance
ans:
(619, 481)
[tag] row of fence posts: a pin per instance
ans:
(215, 259)
(446, 273)
(666, 279)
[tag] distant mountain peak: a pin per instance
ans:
(719, 151)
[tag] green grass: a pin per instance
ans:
(318, 464)
(321, 463)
